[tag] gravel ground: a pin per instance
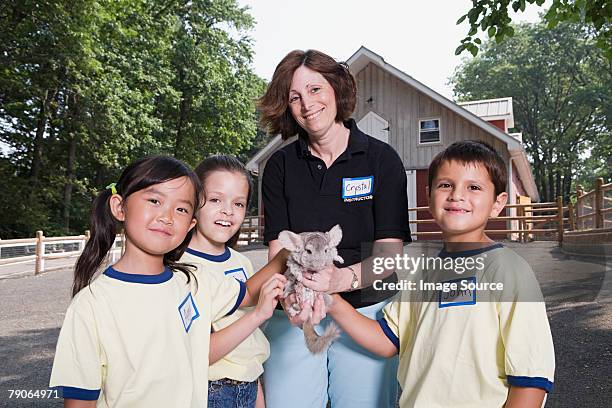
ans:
(579, 301)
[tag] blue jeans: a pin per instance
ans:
(348, 375)
(224, 395)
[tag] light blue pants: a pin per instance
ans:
(347, 374)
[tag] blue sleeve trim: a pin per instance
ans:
(532, 382)
(240, 297)
(80, 393)
(389, 333)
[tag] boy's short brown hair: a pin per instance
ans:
(274, 105)
(472, 152)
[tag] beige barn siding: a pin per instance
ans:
(402, 106)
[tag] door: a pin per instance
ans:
(412, 201)
(375, 126)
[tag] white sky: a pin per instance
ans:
(417, 37)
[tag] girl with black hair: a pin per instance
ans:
(137, 335)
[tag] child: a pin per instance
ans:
(138, 334)
(465, 348)
(233, 377)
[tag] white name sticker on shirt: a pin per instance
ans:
(459, 296)
(353, 188)
(188, 311)
(237, 273)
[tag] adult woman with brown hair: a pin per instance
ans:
(333, 174)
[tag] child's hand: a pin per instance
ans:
(269, 296)
(319, 310)
(299, 318)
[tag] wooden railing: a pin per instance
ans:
(251, 230)
(533, 220)
(42, 249)
(528, 216)
(593, 209)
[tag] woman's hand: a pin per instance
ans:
(329, 280)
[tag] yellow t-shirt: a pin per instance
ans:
(245, 362)
(141, 340)
(465, 351)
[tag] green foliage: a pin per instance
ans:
(491, 16)
(560, 85)
(87, 86)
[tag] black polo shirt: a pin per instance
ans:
(364, 191)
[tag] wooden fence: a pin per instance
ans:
(593, 209)
(42, 249)
(251, 230)
(532, 221)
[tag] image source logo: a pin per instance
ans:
(411, 264)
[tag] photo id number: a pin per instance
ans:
(33, 394)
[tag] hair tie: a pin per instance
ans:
(113, 187)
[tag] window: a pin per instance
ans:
(429, 131)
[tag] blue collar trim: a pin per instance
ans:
(471, 252)
(214, 258)
(165, 276)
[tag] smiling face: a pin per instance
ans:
(312, 101)
(224, 210)
(156, 219)
(461, 200)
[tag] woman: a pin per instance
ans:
(333, 174)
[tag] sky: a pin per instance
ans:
(417, 37)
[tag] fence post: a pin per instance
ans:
(40, 253)
(249, 234)
(85, 239)
(572, 215)
(560, 218)
(122, 239)
(520, 212)
(598, 203)
(579, 219)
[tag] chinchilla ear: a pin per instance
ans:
(334, 235)
(291, 241)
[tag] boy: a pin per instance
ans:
(465, 348)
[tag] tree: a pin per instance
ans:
(491, 16)
(86, 86)
(559, 81)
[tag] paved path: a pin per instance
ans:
(578, 293)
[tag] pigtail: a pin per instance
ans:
(103, 232)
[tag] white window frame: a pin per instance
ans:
(437, 142)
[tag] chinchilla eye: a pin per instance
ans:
(308, 251)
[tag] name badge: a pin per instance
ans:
(238, 274)
(188, 311)
(357, 187)
(460, 296)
